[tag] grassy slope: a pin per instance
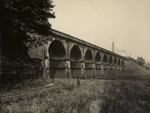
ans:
(133, 68)
(93, 96)
(134, 72)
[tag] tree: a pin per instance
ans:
(24, 25)
(140, 61)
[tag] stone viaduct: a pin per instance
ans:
(69, 57)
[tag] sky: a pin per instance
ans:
(101, 22)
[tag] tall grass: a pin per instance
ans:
(92, 96)
(24, 85)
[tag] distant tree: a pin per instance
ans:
(24, 25)
(140, 61)
(147, 66)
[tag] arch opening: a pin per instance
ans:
(122, 62)
(110, 60)
(119, 62)
(75, 53)
(88, 55)
(105, 58)
(98, 57)
(56, 49)
(115, 61)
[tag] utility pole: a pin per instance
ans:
(130, 54)
(113, 47)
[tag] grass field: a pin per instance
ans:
(92, 96)
(130, 93)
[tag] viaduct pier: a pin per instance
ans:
(68, 57)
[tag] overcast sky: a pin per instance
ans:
(101, 22)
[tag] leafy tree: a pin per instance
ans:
(140, 61)
(23, 25)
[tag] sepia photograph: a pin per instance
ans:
(71, 56)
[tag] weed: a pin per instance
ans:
(96, 96)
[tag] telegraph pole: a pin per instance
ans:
(113, 47)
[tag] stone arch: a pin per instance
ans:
(56, 49)
(110, 60)
(115, 60)
(97, 57)
(75, 54)
(88, 55)
(118, 61)
(105, 59)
